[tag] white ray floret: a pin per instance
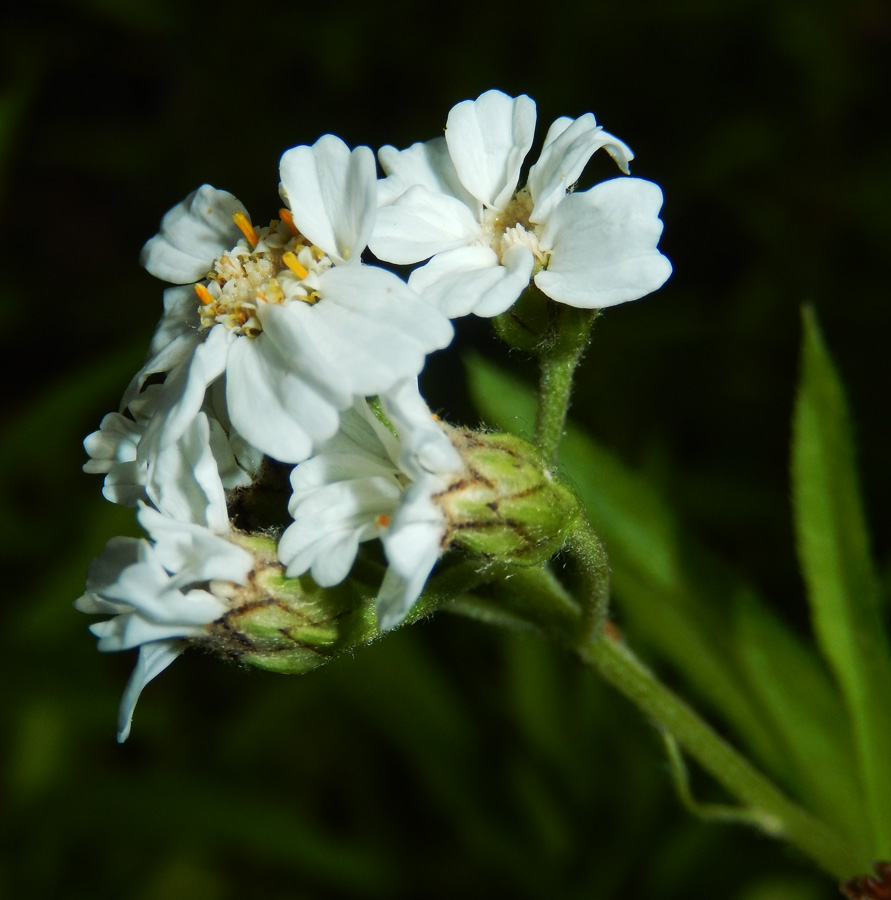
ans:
(368, 483)
(298, 325)
(206, 441)
(454, 201)
(163, 591)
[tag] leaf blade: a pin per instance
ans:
(697, 615)
(842, 588)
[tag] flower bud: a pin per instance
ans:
(508, 506)
(525, 326)
(287, 625)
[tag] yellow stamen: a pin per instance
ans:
(383, 520)
(288, 219)
(274, 292)
(241, 220)
(204, 295)
(294, 265)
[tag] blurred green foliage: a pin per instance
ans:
(447, 759)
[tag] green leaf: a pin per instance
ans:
(833, 546)
(693, 612)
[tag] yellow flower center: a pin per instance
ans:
(505, 228)
(276, 264)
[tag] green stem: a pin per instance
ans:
(588, 550)
(541, 602)
(769, 808)
(449, 582)
(523, 598)
(558, 358)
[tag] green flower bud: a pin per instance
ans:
(527, 324)
(509, 506)
(287, 625)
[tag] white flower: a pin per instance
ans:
(162, 591)
(365, 483)
(345, 494)
(454, 201)
(291, 316)
(158, 594)
(113, 451)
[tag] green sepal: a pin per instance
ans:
(289, 625)
(527, 324)
(509, 507)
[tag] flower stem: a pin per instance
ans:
(589, 552)
(558, 358)
(767, 807)
(542, 603)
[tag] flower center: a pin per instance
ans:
(276, 264)
(508, 227)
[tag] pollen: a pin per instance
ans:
(383, 520)
(286, 217)
(291, 261)
(204, 295)
(277, 268)
(241, 220)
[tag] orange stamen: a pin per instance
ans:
(294, 265)
(383, 520)
(288, 219)
(241, 220)
(204, 295)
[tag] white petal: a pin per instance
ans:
(471, 280)
(603, 244)
(117, 554)
(332, 521)
(618, 150)
(563, 158)
(412, 552)
(139, 586)
(193, 553)
(125, 484)
(192, 235)
(93, 604)
(227, 464)
(362, 432)
(180, 318)
(272, 406)
(115, 441)
(488, 139)
(371, 328)
(332, 192)
(421, 223)
(428, 165)
(184, 481)
(327, 468)
(153, 659)
(178, 352)
(183, 391)
(426, 447)
(124, 632)
(335, 557)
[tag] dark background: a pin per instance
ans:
(447, 760)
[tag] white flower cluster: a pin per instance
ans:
(273, 338)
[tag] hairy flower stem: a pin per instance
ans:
(534, 599)
(770, 809)
(588, 551)
(559, 355)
